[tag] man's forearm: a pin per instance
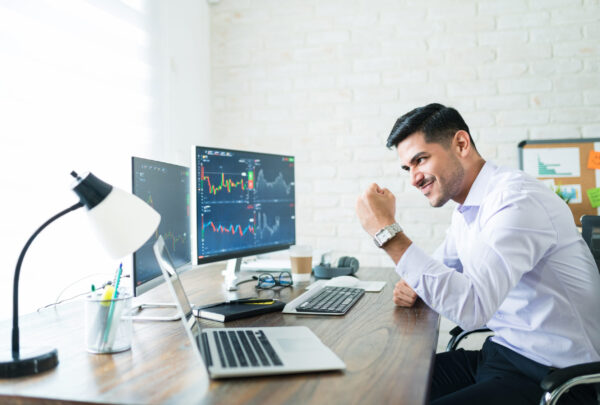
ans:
(396, 247)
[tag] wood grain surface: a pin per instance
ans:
(388, 353)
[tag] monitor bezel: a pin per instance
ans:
(159, 279)
(194, 213)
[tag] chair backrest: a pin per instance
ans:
(590, 230)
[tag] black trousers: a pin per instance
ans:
(494, 375)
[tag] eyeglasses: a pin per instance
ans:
(268, 280)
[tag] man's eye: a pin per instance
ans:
(420, 160)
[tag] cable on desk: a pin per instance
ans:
(56, 302)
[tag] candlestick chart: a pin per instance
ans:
(245, 201)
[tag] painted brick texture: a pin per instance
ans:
(325, 80)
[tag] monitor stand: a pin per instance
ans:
(231, 274)
(164, 318)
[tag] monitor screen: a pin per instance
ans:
(243, 203)
(166, 188)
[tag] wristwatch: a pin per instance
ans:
(386, 233)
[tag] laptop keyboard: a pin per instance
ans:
(244, 348)
(332, 300)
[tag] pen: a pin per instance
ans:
(112, 305)
(258, 302)
(118, 280)
(250, 301)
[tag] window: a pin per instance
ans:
(79, 90)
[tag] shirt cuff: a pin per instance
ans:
(412, 264)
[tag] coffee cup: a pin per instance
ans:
(301, 263)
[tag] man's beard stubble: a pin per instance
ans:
(450, 185)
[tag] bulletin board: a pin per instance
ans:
(571, 166)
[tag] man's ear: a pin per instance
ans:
(462, 143)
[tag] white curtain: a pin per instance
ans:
(79, 90)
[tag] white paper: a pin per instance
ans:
(551, 162)
(368, 286)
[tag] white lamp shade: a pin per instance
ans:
(123, 222)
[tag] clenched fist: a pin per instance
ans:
(376, 208)
(404, 295)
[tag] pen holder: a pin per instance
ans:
(107, 329)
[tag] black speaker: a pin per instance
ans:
(347, 266)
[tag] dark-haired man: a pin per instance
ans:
(512, 260)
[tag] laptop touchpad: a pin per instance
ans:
(298, 344)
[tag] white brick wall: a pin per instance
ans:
(325, 80)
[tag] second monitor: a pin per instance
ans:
(243, 203)
(166, 188)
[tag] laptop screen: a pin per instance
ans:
(190, 324)
(183, 304)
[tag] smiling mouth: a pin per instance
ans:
(426, 188)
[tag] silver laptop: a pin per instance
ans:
(237, 352)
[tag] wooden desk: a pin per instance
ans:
(388, 352)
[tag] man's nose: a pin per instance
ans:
(416, 177)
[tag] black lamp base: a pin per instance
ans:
(28, 362)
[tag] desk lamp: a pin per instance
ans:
(123, 222)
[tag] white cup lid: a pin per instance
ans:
(300, 250)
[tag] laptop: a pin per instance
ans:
(252, 351)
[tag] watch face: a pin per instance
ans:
(382, 236)
(385, 234)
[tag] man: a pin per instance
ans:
(512, 260)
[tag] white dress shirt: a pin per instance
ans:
(514, 261)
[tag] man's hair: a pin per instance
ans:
(439, 124)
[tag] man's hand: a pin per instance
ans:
(376, 208)
(404, 295)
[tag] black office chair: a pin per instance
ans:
(561, 380)
(590, 231)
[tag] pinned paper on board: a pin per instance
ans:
(571, 193)
(593, 160)
(594, 196)
(551, 162)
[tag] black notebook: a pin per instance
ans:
(235, 310)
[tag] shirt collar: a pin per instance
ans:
(478, 188)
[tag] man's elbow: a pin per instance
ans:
(476, 318)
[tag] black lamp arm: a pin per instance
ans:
(15, 329)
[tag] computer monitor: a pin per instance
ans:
(165, 187)
(243, 204)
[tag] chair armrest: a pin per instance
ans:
(560, 376)
(458, 334)
(456, 331)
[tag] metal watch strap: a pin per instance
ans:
(386, 233)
